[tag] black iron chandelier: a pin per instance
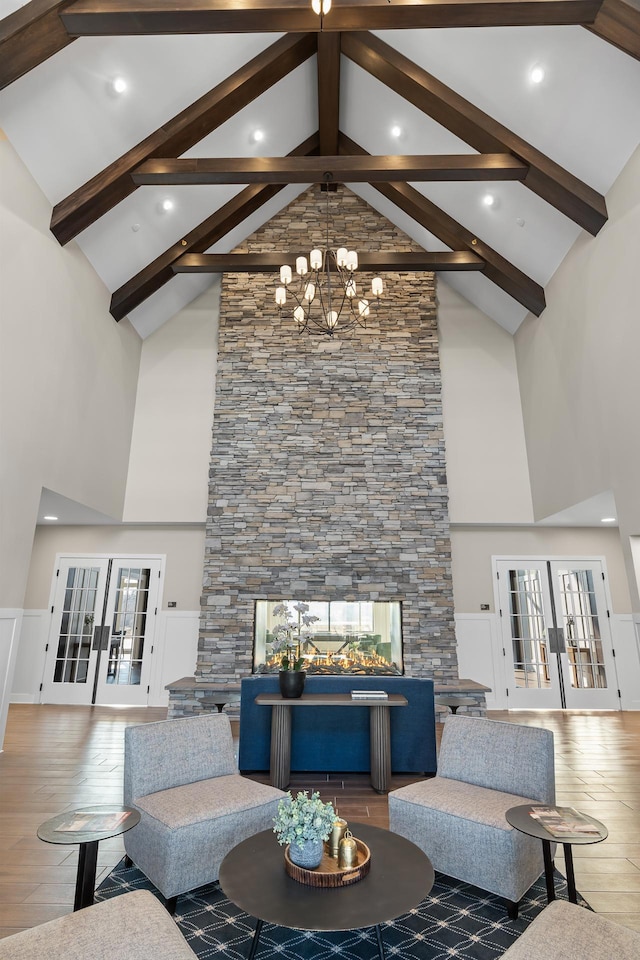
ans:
(324, 294)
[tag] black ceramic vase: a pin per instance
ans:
(292, 683)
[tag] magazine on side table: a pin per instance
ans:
(564, 822)
(81, 822)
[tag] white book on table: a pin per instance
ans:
(369, 695)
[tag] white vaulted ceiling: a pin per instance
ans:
(67, 126)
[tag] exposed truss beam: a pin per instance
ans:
(328, 92)
(132, 293)
(618, 22)
(517, 284)
(87, 204)
(332, 169)
(376, 262)
(35, 32)
(134, 17)
(549, 180)
(30, 35)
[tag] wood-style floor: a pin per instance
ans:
(59, 757)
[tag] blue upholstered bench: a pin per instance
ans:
(337, 740)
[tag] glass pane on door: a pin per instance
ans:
(580, 622)
(76, 626)
(528, 630)
(126, 648)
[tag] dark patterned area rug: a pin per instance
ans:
(455, 920)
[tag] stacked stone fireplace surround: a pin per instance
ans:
(327, 478)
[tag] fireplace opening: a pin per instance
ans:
(330, 637)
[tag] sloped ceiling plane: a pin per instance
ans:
(488, 131)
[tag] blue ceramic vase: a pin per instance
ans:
(306, 854)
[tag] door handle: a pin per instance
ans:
(556, 640)
(100, 638)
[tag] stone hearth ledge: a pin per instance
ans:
(188, 697)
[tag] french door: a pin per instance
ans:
(102, 630)
(555, 634)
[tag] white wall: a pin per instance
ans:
(68, 376)
(182, 545)
(176, 634)
(487, 469)
(171, 443)
(472, 550)
(579, 371)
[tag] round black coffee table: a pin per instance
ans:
(520, 818)
(253, 877)
(87, 826)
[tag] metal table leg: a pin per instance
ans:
(254, 942)
(380, 943)
(571, 880)
(86, 876)
(548, 870)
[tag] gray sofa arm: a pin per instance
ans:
(564, 931)
(134, 926)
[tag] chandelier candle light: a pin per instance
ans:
(323, 297)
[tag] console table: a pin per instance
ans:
(379, 731)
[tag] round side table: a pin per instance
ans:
(520, 818)
(253, 877)
(88, 826)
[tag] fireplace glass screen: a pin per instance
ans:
(334, 637)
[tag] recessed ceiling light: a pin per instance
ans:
(536, 74)
(258, 136)
(167, 205)
(396, 131)
(489, 200)
(119, 85)
(49, 518)
(608, 520)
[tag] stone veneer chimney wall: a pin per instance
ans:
(327, 477)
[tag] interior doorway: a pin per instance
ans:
(101, 637)
(556, 636)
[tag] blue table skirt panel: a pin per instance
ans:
(336, 739)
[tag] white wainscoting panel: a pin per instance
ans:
(176, 651)
(627, 648)
(30, 657)
(10, 620)
(480, 654)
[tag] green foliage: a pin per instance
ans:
(303, 818)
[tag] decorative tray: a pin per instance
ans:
(329, 874)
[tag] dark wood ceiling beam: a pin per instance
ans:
(150, 279)
(135, 17)
(517, 284)
(35, 32)
(618, 22)
(29, 36)
(90, 201)
(458, 260)
(571, 196)
(328, 92)
(332, 169)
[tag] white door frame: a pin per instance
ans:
(153, 635)
(533, 698)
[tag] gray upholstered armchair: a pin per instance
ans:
(134, 926)
(183, 778)
(458, 817)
